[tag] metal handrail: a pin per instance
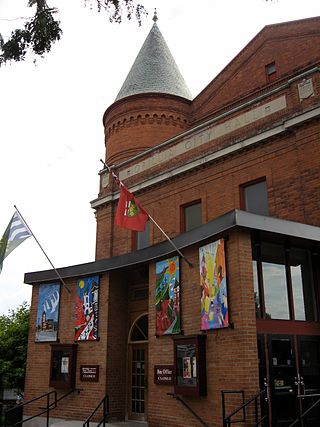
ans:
(189, 409)
(105, 403)
(44, 410)
(67, 394)
(227, 420)
(223, 392)
(301, 416)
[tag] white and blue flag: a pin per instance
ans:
(15, 233)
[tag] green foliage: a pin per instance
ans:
(13, 347)
(117, 9)
(42, 30)
(38, 34)
(15, 47)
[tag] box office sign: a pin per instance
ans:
(89, 373)
(163, 374)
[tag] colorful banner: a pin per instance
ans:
(48, 312)
(213, 282)
(87, 309)
(168, 297)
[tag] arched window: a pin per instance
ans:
(139, 330)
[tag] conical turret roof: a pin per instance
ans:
(154, 70)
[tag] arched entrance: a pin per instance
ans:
(137, 369)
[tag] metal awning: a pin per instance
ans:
(218, 226)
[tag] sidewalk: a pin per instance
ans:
(112, 424)
(64, 423)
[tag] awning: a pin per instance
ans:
(218, 226)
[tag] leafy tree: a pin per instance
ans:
(13, 347)
(42, 30)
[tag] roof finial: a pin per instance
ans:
(155, 17)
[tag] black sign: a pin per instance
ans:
(89, 373)
(163, 374)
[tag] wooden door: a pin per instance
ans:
(137, 396)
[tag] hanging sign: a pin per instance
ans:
(89, 373)
(163, 374)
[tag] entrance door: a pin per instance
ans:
(138, 382)
(283, 380)
(293, 369)
(309, 366)
(138, 369)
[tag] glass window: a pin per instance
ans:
(186, 365)
(192, 216)
(256, 198)
(310, 369)
(274, 282)
(275, 291)
(143, 237)
(271, 68)
(271, 71)
(140, 330)
(284, 278)
(301, 285)
(281, 352)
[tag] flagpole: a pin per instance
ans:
(56, 271)
(168, 238)
(156, 224)
(105, 166)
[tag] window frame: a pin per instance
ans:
(135, 324)
(256, 247)
(135, 236)
(183, 214)
(271, 74)
(245, 185)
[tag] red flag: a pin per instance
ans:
(130, 213)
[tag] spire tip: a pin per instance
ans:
(155, 16)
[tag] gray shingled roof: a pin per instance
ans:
(154, 70)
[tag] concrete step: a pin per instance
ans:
(109, 424)
(128, 424)
(41, 422)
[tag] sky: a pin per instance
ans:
(51, 133)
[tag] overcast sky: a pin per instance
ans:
(51, 131)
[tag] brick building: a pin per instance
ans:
(233, 178)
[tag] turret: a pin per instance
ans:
(152, 104)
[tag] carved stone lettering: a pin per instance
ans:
(205, 135)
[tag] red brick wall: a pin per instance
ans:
(88, 353)
(117, 325)
(231, 353)
(290, 164)
(140, 122)
(293, 46)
